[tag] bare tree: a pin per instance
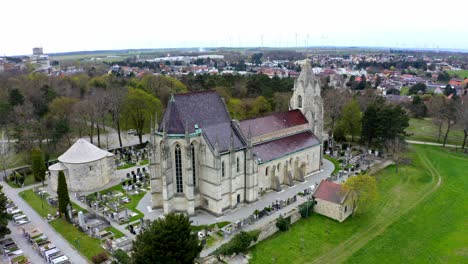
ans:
(450, 115)
(463, 119)
(436, 105)
(333, 102)
(116, 96)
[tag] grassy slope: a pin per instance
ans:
(433, 232)
(404, 197)
(425, 130)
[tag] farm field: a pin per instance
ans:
(420, 217)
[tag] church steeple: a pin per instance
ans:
(306, 97)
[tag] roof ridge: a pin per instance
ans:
(272, 114)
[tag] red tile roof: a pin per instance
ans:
(281, 147)
(330, 191)
(271, 123)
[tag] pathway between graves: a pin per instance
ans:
(23, 243)
(38, 222)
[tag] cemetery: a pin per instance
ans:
(17, 216)
(131, 156)
(351, 160)
(11, 253)
(118, 203)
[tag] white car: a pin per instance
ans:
(131, 132)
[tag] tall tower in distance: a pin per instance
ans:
(306, 97)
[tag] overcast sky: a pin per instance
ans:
(60, 26)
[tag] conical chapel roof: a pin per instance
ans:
(82, 152)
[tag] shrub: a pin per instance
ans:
(99, 258)
(306, 209)
(238, 244)
(283, 223)
(122, 257)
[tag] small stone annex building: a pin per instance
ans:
(332, 201)
(86, 167)
(203, 159)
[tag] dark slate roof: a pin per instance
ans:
(330, 191)
(274, 122)
(283, 146)
(205, 109)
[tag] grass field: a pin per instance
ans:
(420, 217)
(425, 130)
(28, 180)
(461, 73)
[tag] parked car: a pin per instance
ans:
(132, 132)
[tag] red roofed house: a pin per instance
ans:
(206, 160)
(332, 201)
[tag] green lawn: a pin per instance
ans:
(28, 180)
(461, 73)
(41, 206)
(425, 130)
(335, 162)
(117, 233)
(87, 245)
(420, 217)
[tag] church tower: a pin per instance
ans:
(306, 97)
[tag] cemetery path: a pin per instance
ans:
(38, 222)
(431, 143)
(245, 211)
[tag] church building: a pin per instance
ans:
(203, 159)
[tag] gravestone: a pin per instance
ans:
(81, 221)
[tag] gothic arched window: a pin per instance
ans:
(178, 169)
(237, 164)
(194, 168)
(222, 169)
(299, 101)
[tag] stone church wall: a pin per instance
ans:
(333, 210)
(310, 156)
(85, 176)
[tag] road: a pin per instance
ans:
(38, 222)
(431, 144)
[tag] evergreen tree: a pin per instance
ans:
(169, 241)
(38, 165)
(4, 217)
(62, 192)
